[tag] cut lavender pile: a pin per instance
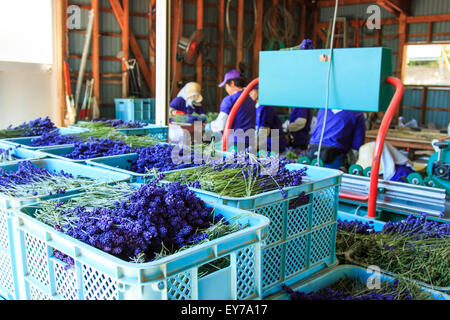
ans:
(30, 180)
(162, 157)
(53, 138)
(94, 148)
(350, 289)
(140, 226)
(35, 127)
(116, 123)
(242, 176)
(415, 248)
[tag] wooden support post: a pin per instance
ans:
(60, 45)
(199, 63)
(302, 23)
(357, 27)
(96, 50)
(401, 44)
(401, 56)
(220, 49)
(240, 33)
(177, 22)
(118, 12)
(315, 17)
(151, 49)
(423, 105)
(125, 46)
(257, 46)
(430, 32)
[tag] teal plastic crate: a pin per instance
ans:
(143, 110)
(98, 275)
(153, 130)
(378, 226)
(19, 153)
(301, 240)
(328, 277)
(25, 142)
(8, 267)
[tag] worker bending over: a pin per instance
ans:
(266, 121)
(345, 132)
(234, 84)
(187, 101)
(299, 127)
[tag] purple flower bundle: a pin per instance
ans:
(96, 147)
(152, 218)
(53, 138)
(26, 173)
(345, 290)
(35, 127)
(159, 157)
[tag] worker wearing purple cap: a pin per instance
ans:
(268, 120)
(234, 84)
(345, 132)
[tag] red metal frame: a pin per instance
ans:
(233, 112)
(379, 144)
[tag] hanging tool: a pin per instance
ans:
(70, 105)
(84, 111)
(87, 43)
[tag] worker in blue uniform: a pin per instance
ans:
(345, 132)
(299, 127)
(244, 120)
(266, 121)
(188, 100)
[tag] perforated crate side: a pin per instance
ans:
(96, 275)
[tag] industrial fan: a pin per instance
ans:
(190, 47)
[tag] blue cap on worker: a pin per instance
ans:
(233, 74)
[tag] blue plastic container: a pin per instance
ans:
(19, 153)
(326, 278)
(378, 226)
(25, 142)
(98, 275)
(8, 266)
(301, 240)
(143, 110)
(153, 130)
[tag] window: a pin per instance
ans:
(26, 31)
(427, 64)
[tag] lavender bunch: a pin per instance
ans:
(243, 176)
(418, 227)
(414, 248)
(116, 123)
(94, 148)
(151, 220)
(35, 127)
(351, 289)
(160, 158)
(30, 180)
(53, 138)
